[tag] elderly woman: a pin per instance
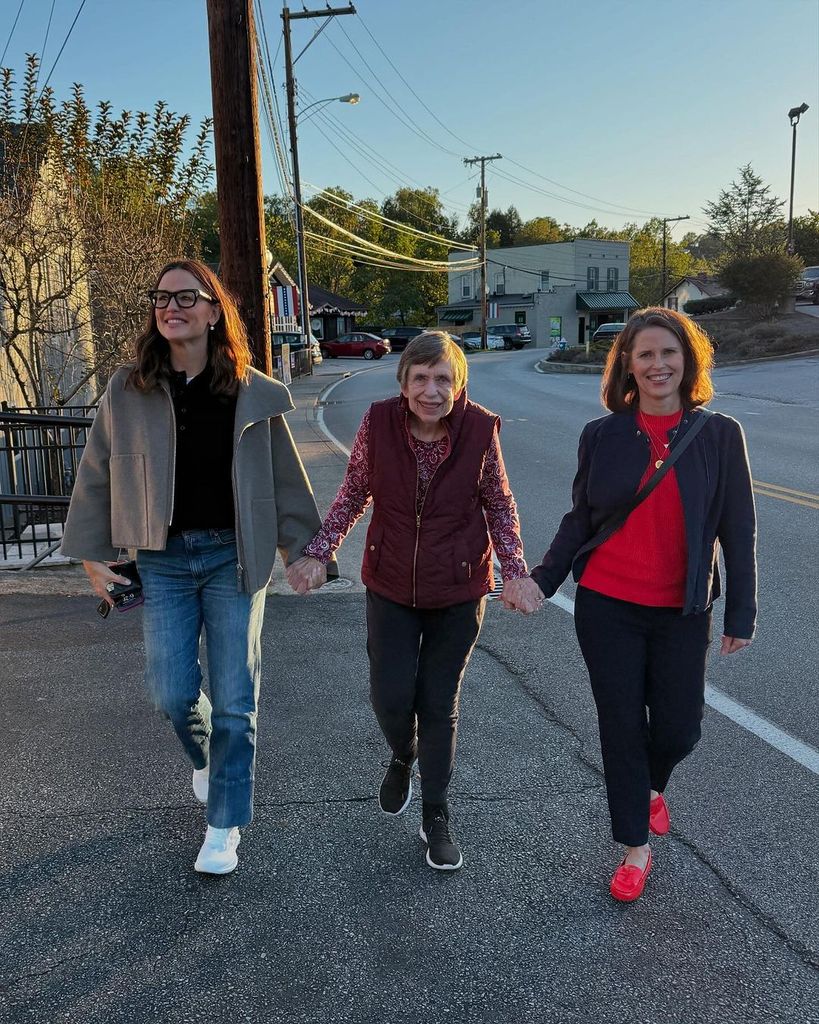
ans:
(430, 461)
(647, 566)
(191, 463)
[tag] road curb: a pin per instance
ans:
(543, 366)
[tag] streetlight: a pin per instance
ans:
(351, 97)
(794, 114)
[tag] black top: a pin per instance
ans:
(203, 486)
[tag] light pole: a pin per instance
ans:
(289, 61)
(794, 114)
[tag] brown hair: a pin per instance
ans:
(228, 349)
(429, 348)
(619, 389)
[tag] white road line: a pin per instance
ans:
(771, 734)
(320, 416)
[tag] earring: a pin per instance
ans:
(212, 326)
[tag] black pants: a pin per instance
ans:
(642, 659)
(418, 657)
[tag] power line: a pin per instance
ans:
(342, 132)
(65, 43)
(432, 113)
(11, 33)
(400, 176)
(405, 228)
(403, 117)
(626, 209)
(620, 207)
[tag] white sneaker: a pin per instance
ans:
(201, 782)
(218, 853)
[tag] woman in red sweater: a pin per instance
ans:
(643, 604)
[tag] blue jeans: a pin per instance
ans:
(191, 584)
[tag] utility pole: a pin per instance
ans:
(301, 255)
(483, 160)
(666, 221)
(232, 42)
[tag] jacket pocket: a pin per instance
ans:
(373, 547)
(129, 501)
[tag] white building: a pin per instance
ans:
(560, 289)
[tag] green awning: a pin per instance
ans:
(606, 301)
(456, 316)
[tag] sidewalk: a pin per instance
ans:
(332, 916)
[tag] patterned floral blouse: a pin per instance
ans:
(354, 496)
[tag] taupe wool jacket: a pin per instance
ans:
(124, 493)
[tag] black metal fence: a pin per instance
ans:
(39, 456)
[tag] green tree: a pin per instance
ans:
(541, 230)
(761, 282)
(746, 218)
(806, 238)
(124, 189)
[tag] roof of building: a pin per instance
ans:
(707, 284)
(606, 301)
(322, 301)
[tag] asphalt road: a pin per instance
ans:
(751, 809)
(332, 915)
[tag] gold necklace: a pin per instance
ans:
(660, 447)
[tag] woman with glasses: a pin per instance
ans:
(191, 463)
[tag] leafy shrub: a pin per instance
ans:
(711, 305)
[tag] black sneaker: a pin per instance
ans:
(396, 788)
(442, 853)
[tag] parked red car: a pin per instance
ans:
(356, 344)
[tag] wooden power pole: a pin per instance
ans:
(232, 39)
(483, 160)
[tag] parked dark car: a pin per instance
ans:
(400, 337)
(470, 340)
(370, 346)
(604, 336)
(508, 336)
(807, 287)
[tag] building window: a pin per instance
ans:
(592, 279)
(544, 280)
(612, 279)
(500, 282)
(672, 302)
(466, 286)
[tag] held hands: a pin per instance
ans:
(101, 574)
(523, 595)
(306, 574)
(732, 644)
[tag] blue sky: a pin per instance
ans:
(649, 106)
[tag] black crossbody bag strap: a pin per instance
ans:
(616, 520)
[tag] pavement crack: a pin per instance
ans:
(11, 983)
(808, 956)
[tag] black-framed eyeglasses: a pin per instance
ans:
(185, 297)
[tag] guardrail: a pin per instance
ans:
(39, 456)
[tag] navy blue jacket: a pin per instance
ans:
(714, 479)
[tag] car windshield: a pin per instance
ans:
(812, 273)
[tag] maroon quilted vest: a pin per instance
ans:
(443, 556)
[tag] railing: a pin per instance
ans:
(39, 456)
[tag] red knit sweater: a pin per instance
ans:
(645, 561)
